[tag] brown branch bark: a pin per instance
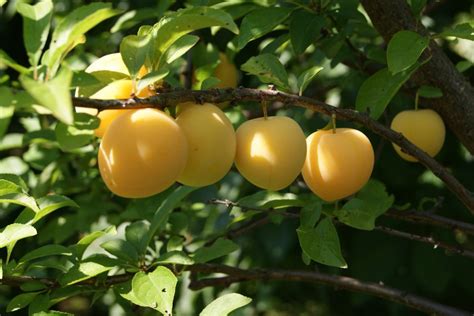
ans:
(245, 94)
(457, 104)
(239, 275)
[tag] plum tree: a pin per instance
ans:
(211, 140)
(142, 153)
(424, 128)
(270, 151)
(338, 163)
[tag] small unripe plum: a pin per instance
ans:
(120, 89)
(270, 151)
(226, 72)
(338, 163)
(142, 153)
(211, 144)
(424, 128)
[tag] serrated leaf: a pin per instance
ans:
(260, 22)
(122, 249)
(152, 77)
(36, 24)
(51, 203)
(155, 290)
(14, 232)
(221, 247)
(321, 244)
(72, 28)
(46, 251)
(21, 301)
(134, 50)
(9, 62)
(306, 77)
(180, 47)
(463, 30)
(305, 27)
(369, 203)
(430, 92)
(377, 90)
(184, 21)
(53, 94)
(175, 257)
(225, 304)
(268, 69)
(20, 199)
(7, 108)
(87, 269)
(404, 49)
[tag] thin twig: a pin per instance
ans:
(245, 94)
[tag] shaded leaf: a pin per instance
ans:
(306, 77)
(122, 249)
(430, 92)
(221, 247)
(180, 47)
(134, 49)
(463, 30)
(8, 61)
(321, 244)
(152, 77)
(7, 108)
(305, 27)
(51, 203)
(21, 301)
(46, 251)
(136, 233)
(175, 257)
(404, 49)
(87, 269)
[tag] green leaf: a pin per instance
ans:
(14, 165)
(180, 47)
(221, 247)
(321, 244)
(268, 69)
(225, 304)
(136, 233)
(305, 27)
(122, 249)
(71, 137)
(377, 90)
(310, 214)
(404, 49)
(164, 210)
(87, 269)
(134, 49)
(306, 77)
(155, 290)
(172, 27)
(39, 304)
(417, 7)
(14, 232)
(369, 203)
(430, 92)
(132, 17)
(7, 108)
(152, 77)
(209, 83)
(463, 30)
(464, 65)
(260, 22)
(13, 180)
(7, 187)
(175, 257)
(20, 199)
(71, 30)
(46, 251)
(53, 94)
(8, 61)
(21, 301)
(269, 199)
(10, 141)
(85, 241)
(51, 203)
(36, 24)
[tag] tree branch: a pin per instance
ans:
(339, 282)
(245, 94)
(456, 106)
(239, 275)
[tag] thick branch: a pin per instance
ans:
(457, 104)
(245, 94)
(239, 275)
(340, 282)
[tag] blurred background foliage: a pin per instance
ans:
(372, 256)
